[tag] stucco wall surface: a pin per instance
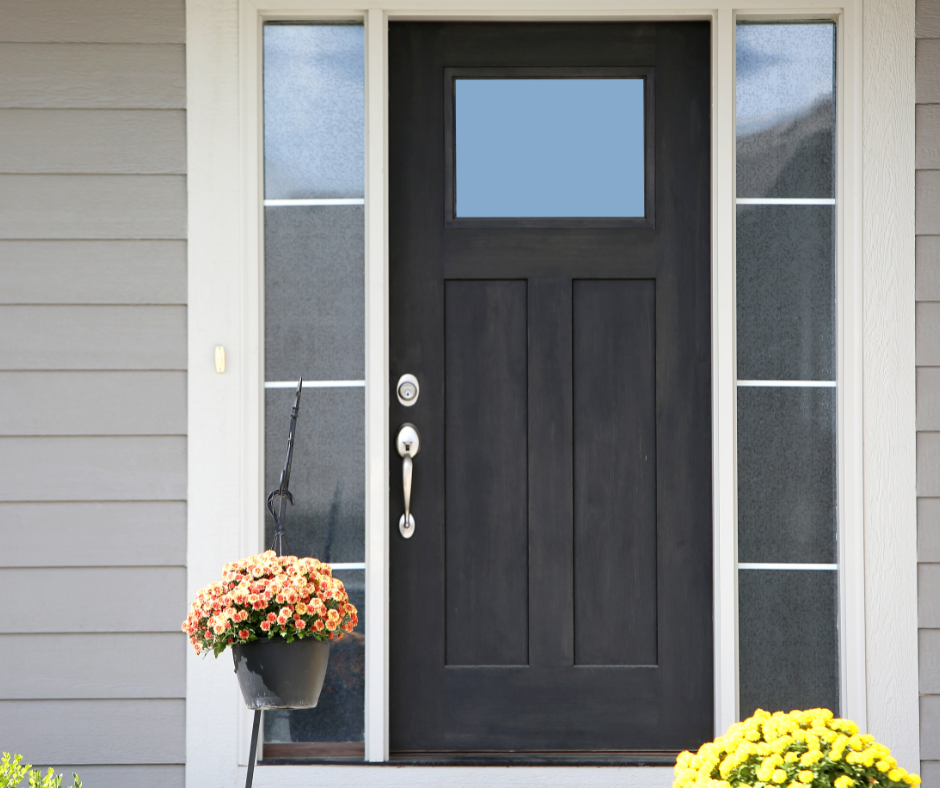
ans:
(93, 388)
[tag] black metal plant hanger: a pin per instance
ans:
(279, 546)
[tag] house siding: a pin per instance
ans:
(927, 296)
(93, 388)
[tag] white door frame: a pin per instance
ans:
(875, 377)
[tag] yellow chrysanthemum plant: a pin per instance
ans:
(795, 750)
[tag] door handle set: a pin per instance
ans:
(408, 443)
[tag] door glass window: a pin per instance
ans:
(554, 148)
(786, 356)
(314, 246)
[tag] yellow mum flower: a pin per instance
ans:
(806, 776)
(914, 778)
(791, 757)
(896, 775)
(844, 782)
(810, 757)
(764, 774)
(779, 776)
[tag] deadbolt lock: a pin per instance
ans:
(407, 390)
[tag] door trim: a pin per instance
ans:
(875, 235)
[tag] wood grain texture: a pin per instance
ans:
(98, 599)
(92, 76)
(93, 272)
(928, 71)
(928, 464)
(92, 206)
(93, 469)
(96, 731)
(888, 381)
(927, 24)
(928, 532)
(146, 776)
(928, 268)
(51, 534)
(92, 337)
(144, 665)
(93, 141)
(101, 21)
(928, 202)
(93, 403)
(928, 334)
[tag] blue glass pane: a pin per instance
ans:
(549, 148)
(314, 111)
(785, 92)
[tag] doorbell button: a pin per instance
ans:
(407, 390)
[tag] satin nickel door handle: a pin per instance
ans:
(408, 443)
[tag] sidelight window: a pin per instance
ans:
(786, 367)
(314, 328)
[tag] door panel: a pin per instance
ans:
(556, 594)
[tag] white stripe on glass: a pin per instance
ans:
(315, 384)
(785, 201)
(816, 567)
(826, 384)
(326, 201)
(341, 567)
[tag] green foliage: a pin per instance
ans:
(13, 770)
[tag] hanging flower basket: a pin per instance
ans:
(278, 613)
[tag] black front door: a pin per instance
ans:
(556, 594)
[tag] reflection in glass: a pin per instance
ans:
(340, 713)
(328, 472)
(549, 148)
(314, 110)
(786, 292)
(786, 475)
(785, 93)
(314, 296)
(789, 652)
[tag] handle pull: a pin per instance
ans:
(408, 443)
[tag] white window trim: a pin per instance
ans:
(876, 359)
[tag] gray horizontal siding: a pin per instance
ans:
(928, 137)
(928, 464)
(928, 531)
(92, 206)
(105, 21)
(124, 533)
(928, 71)
(109, 599)
(929, 653)
(92, 76)
(92, 141)
(928, 588)
(927, 322)
(97, 731)
(92, 469)
(93, 272)
(928, 268)
(928, 399)
(144, 665)
(93, 403)
(928, 19)
(124, 776)
(927, 220)
(930, 727)
(92, 337)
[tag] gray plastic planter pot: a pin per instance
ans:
(274, 674)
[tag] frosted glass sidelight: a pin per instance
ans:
(786, 475)
(327, 520)
(314, 111)
(785, 93)
(786, 292)
(552, 148)
(314, 292)
(789, 646)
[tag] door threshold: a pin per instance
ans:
(480, 758)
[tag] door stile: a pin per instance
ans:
(551, 469)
